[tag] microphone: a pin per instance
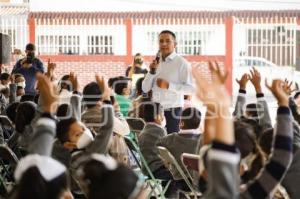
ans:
(157, 57)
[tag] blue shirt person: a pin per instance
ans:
(28, 67)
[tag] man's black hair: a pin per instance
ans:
(168, 32)
(30, 47)
(91, 94)
(191, 118)
(152, 110)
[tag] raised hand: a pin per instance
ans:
(213, 94)
(243, 81)
(277, 88)
(287, 87)
(74, 81)
(256, 80)
(48, 93)
(217, 74)
(50, 69)
(51, 65)
(106, 91)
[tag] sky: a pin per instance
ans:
(152, 5)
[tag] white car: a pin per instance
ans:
(267, 69)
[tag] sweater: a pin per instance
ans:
(147, 142)
(178, 143)
(275, 169)
(124, 104)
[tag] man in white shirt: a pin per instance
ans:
(169, 79)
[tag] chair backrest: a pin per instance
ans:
(190, 161)
(8, 163)
(136, 124)
(132, 145)
(168, 158)
(7, 154)
(6, 127)
(5, 121)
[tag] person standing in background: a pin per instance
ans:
(136, 67)
(28, 67)
(170, 79)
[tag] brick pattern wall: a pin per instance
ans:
(86, 70)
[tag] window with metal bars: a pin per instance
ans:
(100, 44)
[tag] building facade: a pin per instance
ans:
(89, 42)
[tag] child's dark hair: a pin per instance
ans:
(62, 129)
(247, 143)
(152, 110)
(138, 86)
(11, 111)
(251, 109)
(119, 85)
(63, 110)
(64, 84)
(32, 185)
(27, 97)
(17, 75)
(4, 76)
(297, 94)
(91, 94)
(255, 125)
(19, 88)
(265, 140)
(105, 183)
(25, 114)
(191, 118)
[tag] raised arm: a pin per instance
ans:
(45, 127)
(263, 110)
(100, 144)
(275, 169)
(75, 98)
(222, 158)
(241, 98)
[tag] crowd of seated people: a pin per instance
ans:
(73, 143)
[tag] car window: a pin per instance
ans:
(251, 62)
